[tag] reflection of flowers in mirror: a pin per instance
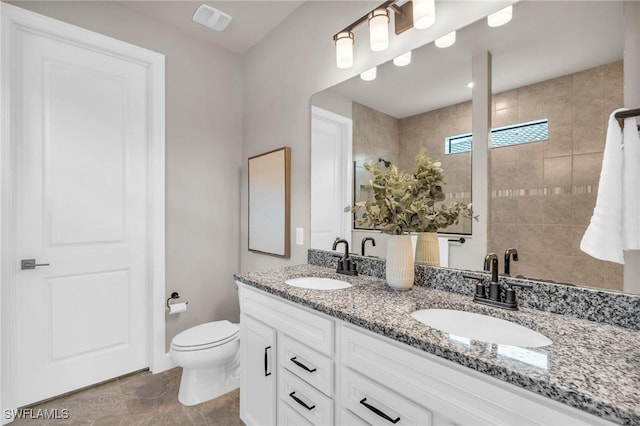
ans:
(409, 202)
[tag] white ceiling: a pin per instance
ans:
(544, 40)
(251, 20)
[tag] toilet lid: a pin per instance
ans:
(206, 335)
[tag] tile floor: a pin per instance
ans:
(139, 399)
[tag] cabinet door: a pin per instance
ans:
(257, 372)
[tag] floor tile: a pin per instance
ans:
(136, 400)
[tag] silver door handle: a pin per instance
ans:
(30, 264)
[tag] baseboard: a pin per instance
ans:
(163, 363)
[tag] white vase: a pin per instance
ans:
(400, 270)
(428, 249)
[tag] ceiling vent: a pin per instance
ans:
(211, 17)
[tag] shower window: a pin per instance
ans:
(531, 131)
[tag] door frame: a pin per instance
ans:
(346, 126)
(16, 19)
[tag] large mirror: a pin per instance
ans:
(405, 108)
(570, 80)
(557, 75)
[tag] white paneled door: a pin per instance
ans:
(79, 190)
(331, 178)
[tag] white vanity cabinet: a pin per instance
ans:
(326, 371)
(258, 371)
(286, 362)
(422, 389)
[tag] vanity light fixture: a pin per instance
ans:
(344, 49)
(402, 60)
(369, 74)
(446, 40)
(379, 29)
(412, 13)
(424, 13)
(500, 17)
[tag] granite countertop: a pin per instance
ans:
(591, 366)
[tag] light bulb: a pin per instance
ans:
(379, 29)
(446, 40)
(402, 60)
(470, 85)
(344, 49)
(369, 74)
(501, 17)
(424, 13)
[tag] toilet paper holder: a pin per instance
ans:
(174, 296)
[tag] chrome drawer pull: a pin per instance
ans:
(301, 402)
(301, 365)
(379, 412)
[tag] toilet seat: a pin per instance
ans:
(205, 336)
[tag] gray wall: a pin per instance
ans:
(210, 133)
(203, 142)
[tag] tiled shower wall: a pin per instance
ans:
(376, 134)
(543, 193)
(429, 130)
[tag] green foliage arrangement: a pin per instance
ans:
(406, 202)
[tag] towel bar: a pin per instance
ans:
(620, 116)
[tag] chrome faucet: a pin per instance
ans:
(364, 240)
(346, 266)
(507, 259)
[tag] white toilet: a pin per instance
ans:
(209, 356)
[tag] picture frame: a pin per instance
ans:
(269, 176)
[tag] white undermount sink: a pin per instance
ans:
(481, 327)
(317, 283)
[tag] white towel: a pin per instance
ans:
(631, 185)
(603, 238)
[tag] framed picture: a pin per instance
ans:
(269, 202)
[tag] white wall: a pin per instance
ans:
(295, 61)
(333, 102)
(203, 146)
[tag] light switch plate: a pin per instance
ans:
(299, 236)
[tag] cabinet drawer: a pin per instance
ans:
(453, 393)
(287, 416)
(378, 405)
(346, 417)
(312, 329)
(312, 367)
(304, 399)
